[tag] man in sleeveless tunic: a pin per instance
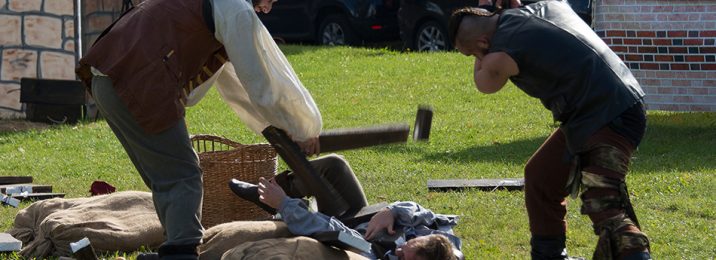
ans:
(547, 51)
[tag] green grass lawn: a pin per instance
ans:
(473, 136)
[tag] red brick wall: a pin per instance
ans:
(670, 46)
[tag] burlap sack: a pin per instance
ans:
(123, 221)
(288, 248)
(223, 237)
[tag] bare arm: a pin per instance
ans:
(493, 71)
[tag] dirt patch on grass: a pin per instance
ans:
(8, 126)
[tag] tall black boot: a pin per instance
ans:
(549, 248)
(249, 192)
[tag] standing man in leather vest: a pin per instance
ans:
(547, 51)
(163, 55)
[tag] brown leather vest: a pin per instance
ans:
(155, 54)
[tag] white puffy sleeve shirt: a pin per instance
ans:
(258, 84)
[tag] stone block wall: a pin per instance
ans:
(37, 40)
(670, 46)
(98, 15)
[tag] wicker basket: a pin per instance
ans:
(222, 159)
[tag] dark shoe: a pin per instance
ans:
(249, 192)
(549, 248)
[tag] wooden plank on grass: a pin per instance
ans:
(36, 188)
(15, 179)
(480, 184)
(9, 243)
(38, 196)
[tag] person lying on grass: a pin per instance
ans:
(434, 244)
(402, 230)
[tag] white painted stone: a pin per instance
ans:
(55, 65)
(10, 97)
(25, 5)
(10, 30)
(69, 45)
(18, 63)
(60, 7)
(70, 29)
(43, 31)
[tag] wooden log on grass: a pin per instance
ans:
(15, 179)
(30, 187)
(37, 196)
(480, 184)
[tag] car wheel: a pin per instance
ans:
(335, 30)
(430, 36)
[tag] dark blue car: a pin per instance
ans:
(333, 22)
(423, 23)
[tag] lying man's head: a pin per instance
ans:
(430, 247)
(471, 30)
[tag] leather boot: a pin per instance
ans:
(249, 192)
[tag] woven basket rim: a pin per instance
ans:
(223, 159)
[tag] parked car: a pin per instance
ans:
(333, 22)
(423, 23)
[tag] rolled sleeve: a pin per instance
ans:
(410, 214)
(263, 73)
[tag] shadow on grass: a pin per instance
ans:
(516, 152)
(678, 141)
(673, 142)
(11, 128)
(513, 152)
(295, 48)
(8, 127)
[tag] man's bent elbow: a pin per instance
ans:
(486, 89)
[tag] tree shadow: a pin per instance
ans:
(673, 142)
(8, 127)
